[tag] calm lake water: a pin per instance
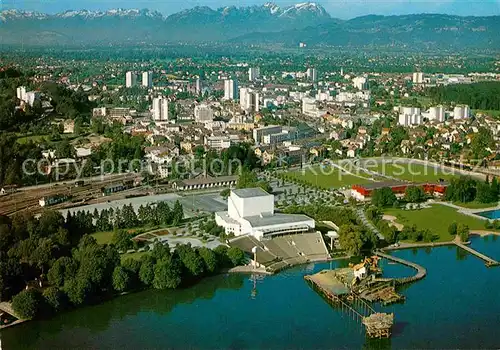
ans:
(455, 306)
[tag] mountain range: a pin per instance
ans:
(266, 24)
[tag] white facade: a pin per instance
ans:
(31, 97)
(130, 79)
(309, 107)
(249, 100)
(461, 112)
(218, 142)
(312, 74)
(436, 113)
(203, 113)
(360, 83)
(147, 79)
(418, 78)
(253, 73)
(230, 89)
(251, 211)
(410, 116)
(160, 109)
(259, 133)
(21, 93)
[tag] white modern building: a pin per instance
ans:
(249, 100)
(130, 79)
(203, 113)
(218, 142)
(259, 133)
(160, 109)
(253, 73)
(250, 211)
(461, 112)
(309, 107)
(410, 116)
(436, 113)
(230, 89)
(360, 83)
(312, 74)
(147, 79)
(21, 93)
(418, 78)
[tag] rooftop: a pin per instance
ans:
(250, 192)
(276, 219)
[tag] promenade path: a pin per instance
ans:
(421, 271)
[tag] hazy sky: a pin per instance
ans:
(336, 8)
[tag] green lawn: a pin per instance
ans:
(327, 177)
(34, 138)
(413, 172)
(436, 219)
(103, 237)
(491, 113)
(136, 255)
(476, 205)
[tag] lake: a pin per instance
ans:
(455, 306)
(490, 214)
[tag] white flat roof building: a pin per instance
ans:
(251, 212)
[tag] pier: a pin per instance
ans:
(377, 325)
(489, 262)
(421, 271)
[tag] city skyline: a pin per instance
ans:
(337, 8)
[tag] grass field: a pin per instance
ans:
(436, 219)
(103, 237)
(327, 177)
(136, 255)
(476, 205)
(413, 172)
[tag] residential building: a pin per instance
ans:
(160, 109)
(312, 74)
(218, 142)
(203, 113)
(360, 83)
(230, 89)
(253, 73)
(249, 100)
(259, 133)
(147, 79)
(418, 78)
(130, 79)
(461, 112)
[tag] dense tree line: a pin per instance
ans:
(48, 265)
(465, 189)
(482, 95)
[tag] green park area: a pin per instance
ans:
(327, 177)
(413, 172)
(436, 219)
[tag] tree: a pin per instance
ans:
(209, 258)
(453, 229)
(54, 298)
(383, 197)
(26, 304)
(414, 194)
(191, 260)
(62, 270)
(121, 239)
(167, 273)
(177, 213)
(350, 239)
(236, 256)
(463, 232)
(160, 251)
(78, 290)
(121, 279)
(146, 271)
